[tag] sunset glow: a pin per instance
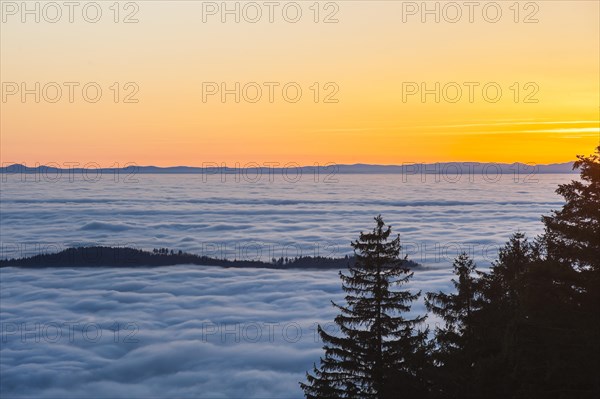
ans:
(367, 66)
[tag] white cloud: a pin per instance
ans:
(185, 331)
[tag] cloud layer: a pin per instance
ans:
(436, 218)
(183, 331)
(209, 332)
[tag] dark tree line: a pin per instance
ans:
(96, 256)
(529, 327)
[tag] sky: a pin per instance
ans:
(381, 82)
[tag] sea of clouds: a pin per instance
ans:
(190, 331)
(436, 218)
(180, 331)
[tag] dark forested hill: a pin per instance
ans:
(130, 257)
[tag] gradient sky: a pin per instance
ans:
(368, 54)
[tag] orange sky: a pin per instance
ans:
(368, 63)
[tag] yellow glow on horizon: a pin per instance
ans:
(549, 74)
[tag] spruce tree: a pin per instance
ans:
(376, 346)
(502, 320)
(573, 233)
(572, 243)
(453, 341)
(455, 309)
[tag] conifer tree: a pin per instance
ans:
(453, 341)
(537, 330)
(455, 309)
(573, 233)
(572, 243)
(376, 346)
(500, 322)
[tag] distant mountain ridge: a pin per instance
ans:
(448, 168)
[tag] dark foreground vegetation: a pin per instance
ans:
(129, 257)
(527, 328)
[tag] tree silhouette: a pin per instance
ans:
(573, 233)
(453, 355)
(377, 346)
(572, 243)
(499, 323)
